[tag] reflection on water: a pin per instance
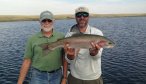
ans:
(124, 64)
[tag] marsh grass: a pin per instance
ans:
(7, 18)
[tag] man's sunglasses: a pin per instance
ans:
(80, 14)
(46, 20)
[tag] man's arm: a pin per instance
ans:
(65, 68)
(23, 71)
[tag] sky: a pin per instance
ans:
(35, 7)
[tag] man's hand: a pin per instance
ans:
(64, 81)
(95, 49)
(69, 51)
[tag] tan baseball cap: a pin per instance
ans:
(82, 9)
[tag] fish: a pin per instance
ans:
(79, 41)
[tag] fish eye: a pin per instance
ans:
(110, 43)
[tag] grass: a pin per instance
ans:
(7, 18)
(118, 15)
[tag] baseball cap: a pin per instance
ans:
(82, 9)
(46, 15)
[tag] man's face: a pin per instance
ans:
(82, 19)
(46, 25)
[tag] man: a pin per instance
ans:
(85, 64)
(46, 69)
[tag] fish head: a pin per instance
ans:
(109, 44)
(106, 44)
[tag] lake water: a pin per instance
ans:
(124, 64)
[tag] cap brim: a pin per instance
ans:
(46, 17)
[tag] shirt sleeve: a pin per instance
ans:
(96, 31)
(28, 49)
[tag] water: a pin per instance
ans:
(124, 64)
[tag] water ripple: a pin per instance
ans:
(124, 64)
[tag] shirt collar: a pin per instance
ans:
(87, 30)
(40, 34)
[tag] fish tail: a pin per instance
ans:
(44, 46)
(50, 46)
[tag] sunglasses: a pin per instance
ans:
(46, 20)
(80, 14)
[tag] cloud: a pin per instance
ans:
(35, 7)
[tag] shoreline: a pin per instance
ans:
(10, 18)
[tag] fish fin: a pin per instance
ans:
(77, 34)
(60, 39)
(101, 43)
(44, 46)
